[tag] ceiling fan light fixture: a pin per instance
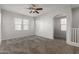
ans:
(34, 9)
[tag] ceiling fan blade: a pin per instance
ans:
(37, 12)
(39, 8)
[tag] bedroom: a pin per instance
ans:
(30, 28)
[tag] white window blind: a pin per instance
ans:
(25, 24)
(21, 24)
(18, 24)
(63, 22)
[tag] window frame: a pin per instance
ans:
(21, 23)
(63, 24)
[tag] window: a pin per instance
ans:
(18, 24)
(21, 24)
(25, 24)
(63, 22)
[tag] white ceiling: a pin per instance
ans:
(22, 8)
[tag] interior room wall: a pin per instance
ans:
(75, 18)
(57, 29)
(44, 27)
(0, 26)
(8, 30)
(44, 23)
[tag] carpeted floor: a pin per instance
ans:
(36, 45)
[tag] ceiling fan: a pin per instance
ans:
(34, 9)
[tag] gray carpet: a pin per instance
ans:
(36, 45)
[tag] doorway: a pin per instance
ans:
(60, 27)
